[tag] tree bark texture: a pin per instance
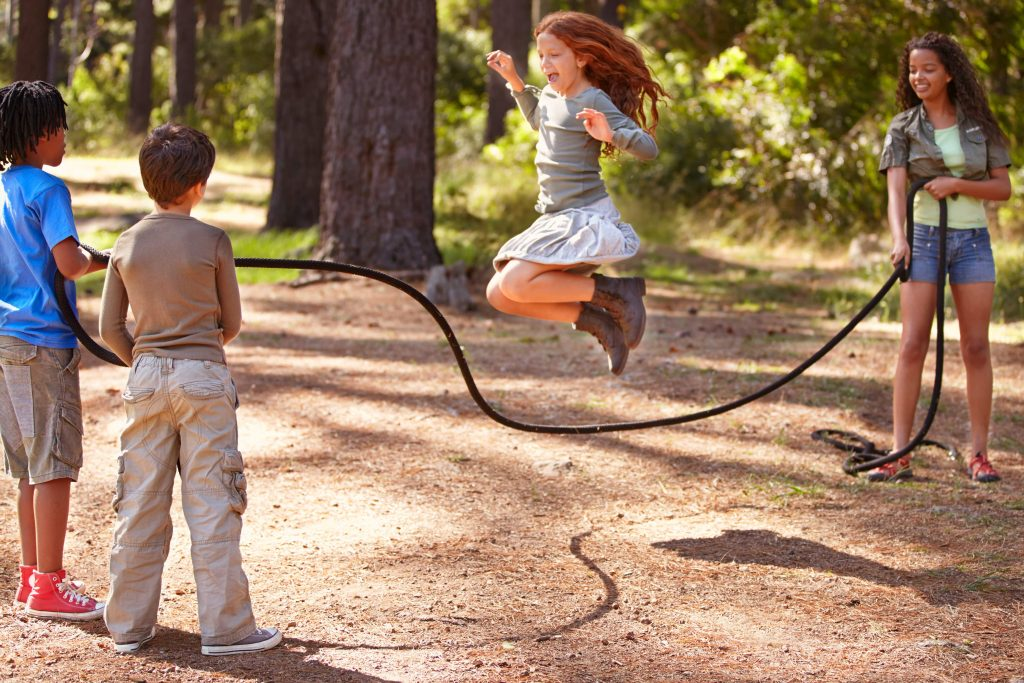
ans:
(32, 53)
(57, 62)
(213, 14)
(183, 82)
(613, 11)
(510, 32)
(140, 88)
(244, 15)
(376, 198)
(303, 46)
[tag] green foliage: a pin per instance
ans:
(291, 244)
(1008, 305)
(235, 95)
(460, 107)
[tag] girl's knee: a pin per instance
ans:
(914, 349)
(976, 353)
(495, 297)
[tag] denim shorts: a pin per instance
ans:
(40, 411)
(968, 255)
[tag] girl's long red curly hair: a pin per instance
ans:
(614, 63)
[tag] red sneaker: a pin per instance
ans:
(25, 587)
(892, 471)
(980, 469)
(55, 597)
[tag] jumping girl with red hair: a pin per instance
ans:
(598, 88)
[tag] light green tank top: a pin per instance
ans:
(964, 212)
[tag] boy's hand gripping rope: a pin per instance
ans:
(852, 465)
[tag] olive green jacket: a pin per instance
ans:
(910, 142)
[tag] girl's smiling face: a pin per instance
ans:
(560, 65)
(928, 75)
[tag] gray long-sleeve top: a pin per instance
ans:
(568, 169)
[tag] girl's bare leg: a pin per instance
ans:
(973, 311)
(917, 308)
(529, 282)
(542, 291)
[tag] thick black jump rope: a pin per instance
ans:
(864, 455)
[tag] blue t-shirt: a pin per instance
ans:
(35, 216)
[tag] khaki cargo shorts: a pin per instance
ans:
(40, 411)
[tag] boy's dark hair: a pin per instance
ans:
(29, 110)
(174, 158)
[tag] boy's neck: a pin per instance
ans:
(32, 160)
(184, 209)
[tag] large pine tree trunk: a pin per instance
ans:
(183, 82)
(140, 89)
(377, 193)
(510, 32)
(32, 54)
(303, 46)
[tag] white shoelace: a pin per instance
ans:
(67, 591)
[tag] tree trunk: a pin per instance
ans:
(376, 198)
(303, 47)
(510, 31)
(183, 81)
(32, 54)
(56, 66)
(613, 11)
(213, 13)
(9, 16)
(140, 89)
(244, 15)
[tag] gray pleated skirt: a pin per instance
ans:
(591, 235)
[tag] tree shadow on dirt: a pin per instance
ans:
(768, 548)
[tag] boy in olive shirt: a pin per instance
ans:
(178, 275)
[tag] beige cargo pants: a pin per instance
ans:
(181, 417)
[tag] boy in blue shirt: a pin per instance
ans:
(40, 405)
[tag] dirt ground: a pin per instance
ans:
(395, 533)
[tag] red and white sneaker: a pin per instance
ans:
(25, 587)
(55, 597)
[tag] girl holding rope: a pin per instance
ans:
(598, 88)
(946, 132)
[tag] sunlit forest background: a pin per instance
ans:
(772, 135)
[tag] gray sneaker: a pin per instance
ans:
(258, 640)
(128, 648)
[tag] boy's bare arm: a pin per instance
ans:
(73, 261)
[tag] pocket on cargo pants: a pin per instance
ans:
(234, 479)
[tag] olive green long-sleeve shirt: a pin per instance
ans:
(178, 276)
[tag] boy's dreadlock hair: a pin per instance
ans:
(965, 90)
(29, 110)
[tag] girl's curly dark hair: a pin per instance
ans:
(29, 110)
(615, 64)
(965, 90)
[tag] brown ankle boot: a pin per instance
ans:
(599, 323)
(623, 297)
